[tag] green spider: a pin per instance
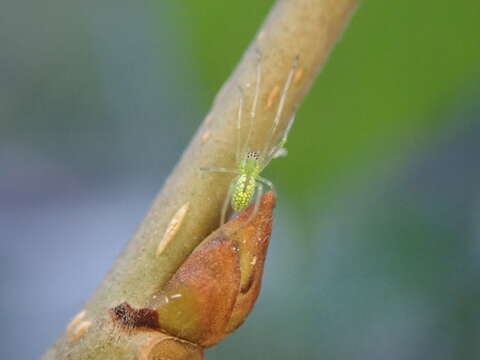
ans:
(250, 163)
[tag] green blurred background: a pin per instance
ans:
(376, 247)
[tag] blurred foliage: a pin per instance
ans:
(93, 90)
(385, 83)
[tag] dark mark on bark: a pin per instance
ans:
(131, 318)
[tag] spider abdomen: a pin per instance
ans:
(243, 192)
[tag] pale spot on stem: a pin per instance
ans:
(261, 35)
(76, 320)
(272, 97)
(205, 136)
(298, 75)
(172, 228)
(80, 330)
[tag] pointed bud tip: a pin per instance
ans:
(264, 212)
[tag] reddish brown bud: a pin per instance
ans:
(215, 289)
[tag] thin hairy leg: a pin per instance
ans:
(226, 202)
(258, 79)
(258, 198)
(268, 183)
(272, 154)
(281, 104)
(219, 170)
(238, 153)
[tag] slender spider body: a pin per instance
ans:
(245, 183)
(248, 183)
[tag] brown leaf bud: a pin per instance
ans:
(215, 289)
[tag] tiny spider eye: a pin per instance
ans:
(253, 155)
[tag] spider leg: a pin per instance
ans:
(220, 170)
(281, 143)
(268, 183)
(239, 125)
(226, 202)
(258, 198)
(253, 111)
(281, 104)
